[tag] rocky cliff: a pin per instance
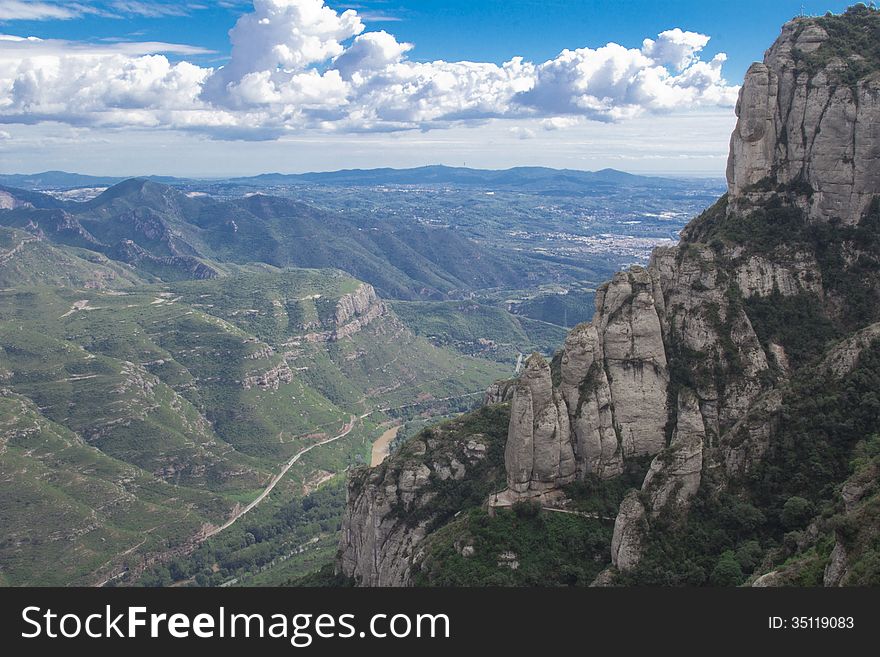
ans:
(352, 312)
(808, 117)
(687, 362)
(671, 359)
(391, 508)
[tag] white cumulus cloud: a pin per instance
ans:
(299, 65)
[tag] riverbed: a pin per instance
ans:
(382, 446)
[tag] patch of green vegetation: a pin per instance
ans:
(261, 544)
(853, 37)
(325, 577)
(67, 508)
(603, 496)
(848, 255)
(204, 390)
(566, 310)
(525, 546)
(26, 260)
(797, 322)
(475, 328)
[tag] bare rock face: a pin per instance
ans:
(354, 312)
(674, 475)
(800, 124)
(538, 455)
(746, 443)
(635, 358)
(377, 548)
(630, 529)
(587, 394)
(500, 392)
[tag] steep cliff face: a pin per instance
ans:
(391, 508)
(808, 117)
(689, 360)
(539, 454)
(804, 152)
(352, 313)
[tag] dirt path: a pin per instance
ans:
(296, 457)
(382, 446)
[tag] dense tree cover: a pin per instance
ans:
(524, 546)
(798, 323)
(855, 31)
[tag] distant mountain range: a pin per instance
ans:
(528, 178)
(164, 233)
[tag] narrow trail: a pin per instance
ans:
(293, 459)
(296, 457)
(582, 514)
(346, 429)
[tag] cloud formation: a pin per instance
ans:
(298, 65)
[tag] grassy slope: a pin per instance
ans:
(151, 378)
(463, 324)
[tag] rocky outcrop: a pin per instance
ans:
(629, 330)
(843, 358)
(130, 252)
(630, 529)
(10, 202)
(392, 507)
(269, 379)
(745, 444)
(672, 366)
(539, 454)
(353, 312)
(585, 388)
(806, 119)
(377, 548)
(672, 481)
(674, 476)
(500, 392)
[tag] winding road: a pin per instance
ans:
(293, 459)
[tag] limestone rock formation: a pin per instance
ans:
(353, 312)
(539, 454)
(680, 361)
(500, 392)
(392, 507)
(635, 359)
(585, 388)
(674, 475)
(800, 123)
(629, 532)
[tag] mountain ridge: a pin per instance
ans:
(695, 379)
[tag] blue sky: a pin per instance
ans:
(375, 83)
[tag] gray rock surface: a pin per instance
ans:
(539, 454)
(798, 126)
(378, 545)
(675, 473)
(629, 532)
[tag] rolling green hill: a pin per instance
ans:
(134, 418)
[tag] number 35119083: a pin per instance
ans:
(811, 623)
